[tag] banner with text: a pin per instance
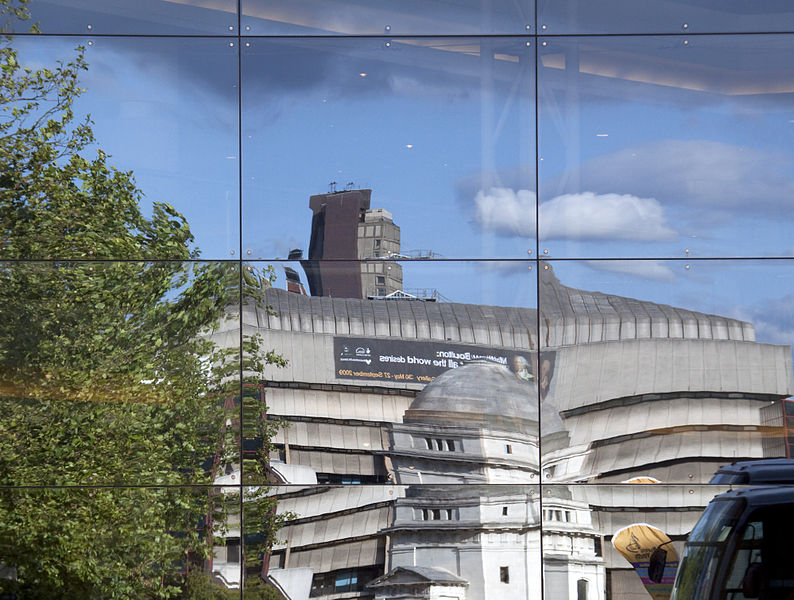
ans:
(421, 362)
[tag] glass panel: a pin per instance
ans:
(598, 539)
(454, 539)
(111, 541)
(163, 112)
(431, 135)
(664, 369)
(355, 368)
(390, 17)
(663, 16)
(666, 146)
(119, 373)
(145, 17)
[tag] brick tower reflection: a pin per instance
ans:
(346, 235)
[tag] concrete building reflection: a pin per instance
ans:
(519, 404)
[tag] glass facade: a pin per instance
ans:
(346, 299)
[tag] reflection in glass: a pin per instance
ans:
(648, 388)
(370, 361)
(118, 372)
(419, 399)
(101, 542)
(135, 180)
(319, 154)
(455, 431)
(414, 17)
(707, 544)
(384, 540)
(666, 146)
(381, 421)
(571, 17)
(598, 539)
(147, 17)
(406, 286)
(744, 537)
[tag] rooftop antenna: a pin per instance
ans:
(332, 187)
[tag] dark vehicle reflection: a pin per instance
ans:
(740, 548)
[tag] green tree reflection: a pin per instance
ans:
(109, 375)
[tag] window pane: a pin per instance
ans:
(428, 135)
(663, 369)
(144, 17)
(390, 17)
(355, 365)
(341, 536)
(631, 520)
(164, 116)
(142, 542)
(104, 376)
(663, 16)
(666, 146)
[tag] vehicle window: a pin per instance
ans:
(717, 522)
(761, 566)
(704, 550)
(746, 554)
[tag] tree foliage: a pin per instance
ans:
(110, 373)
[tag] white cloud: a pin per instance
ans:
(647, 269)
(589, 216)
(503, 267)
(716, 178)
(505, 211)
(583, 216)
